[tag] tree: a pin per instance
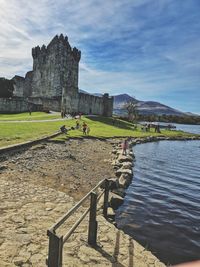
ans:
(131, 107)
(6, 88)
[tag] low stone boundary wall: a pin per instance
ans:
(123, 166)
(13, 105)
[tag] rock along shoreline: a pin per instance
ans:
(123, 167)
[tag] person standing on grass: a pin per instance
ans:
(84, 128)
(124, 146)
(88, 130)
(77, 124)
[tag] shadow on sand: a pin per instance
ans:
(114, 257)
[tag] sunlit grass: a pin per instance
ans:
(100, 127)
(27, 117)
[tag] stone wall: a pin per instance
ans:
(23, 86)
(46, 104)
(13, 105)
(90, 104)
(19, 84)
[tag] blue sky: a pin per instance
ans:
(149, 49)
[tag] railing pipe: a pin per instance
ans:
(56, 243)
(55, 250)
(92, 230)
(68, 214)
(79, 221)
(106, 195)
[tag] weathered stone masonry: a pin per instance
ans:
(53, 82)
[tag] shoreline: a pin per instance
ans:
(80, 164)
(124, 164)
(124, 170)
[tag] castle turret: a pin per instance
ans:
(107, 105)
(55, 70)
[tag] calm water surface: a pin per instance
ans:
(162, 206)
(188, 128)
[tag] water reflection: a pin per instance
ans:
(162, 207)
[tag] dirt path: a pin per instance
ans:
(73, 167)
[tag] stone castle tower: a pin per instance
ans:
(53, 82)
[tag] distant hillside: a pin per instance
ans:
(83, 92)
(121, 100)
(151, 107)
(144, 107)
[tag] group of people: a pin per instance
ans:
(71, 115)
(85, 128)
(146, 127)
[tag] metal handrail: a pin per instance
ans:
(73, 209)
(79, 221)
(56, 243)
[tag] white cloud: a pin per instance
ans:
(150, 58)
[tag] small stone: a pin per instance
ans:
(48, 209)
(116, 201)
(3, 167)
(18, 261)
(124, 171)
(124, 158)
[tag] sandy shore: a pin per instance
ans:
(74, 167)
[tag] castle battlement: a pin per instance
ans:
(53, 82)
(55, 44)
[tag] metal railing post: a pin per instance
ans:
(55, 250)
(106, 195)
(92, 230)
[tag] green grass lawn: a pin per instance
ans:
(18, 132)
(26, 117)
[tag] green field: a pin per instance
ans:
(27, 117)
(14, 131)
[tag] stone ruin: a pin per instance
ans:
(53, 83)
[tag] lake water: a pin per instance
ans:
(188, 128)
(162, 206)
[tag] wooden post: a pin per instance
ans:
(55, 250)
(92, 231)
(106, 195)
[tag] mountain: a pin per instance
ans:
(121, 100)
(192, 114)
(144, 107)
(83, 92)
(152, 107)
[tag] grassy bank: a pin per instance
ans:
(27, 117)
(18, 132)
